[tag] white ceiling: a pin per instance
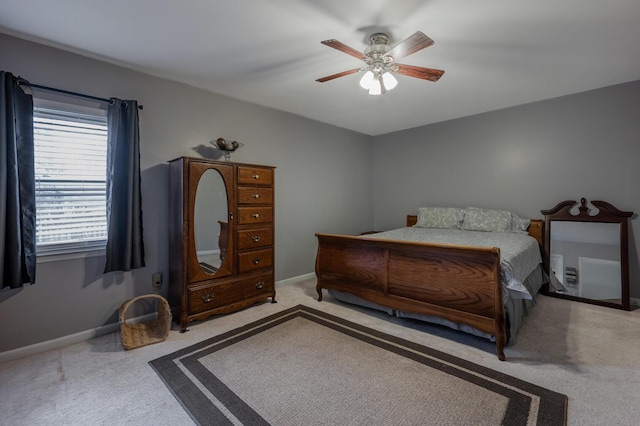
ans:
(495, 53)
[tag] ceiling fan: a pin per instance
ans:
(380, 60)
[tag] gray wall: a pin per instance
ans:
(522, 159)
(323, 175)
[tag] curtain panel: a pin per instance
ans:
(17, 185)
(125, 245)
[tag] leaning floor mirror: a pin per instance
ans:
(586, 253)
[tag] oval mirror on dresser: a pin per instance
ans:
(586, 253)
(210, 221)
(207, 215)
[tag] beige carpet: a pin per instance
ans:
(587, 352)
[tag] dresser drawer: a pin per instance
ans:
(212, 296)
(255, 195)
(248, 175)
(255, 238)
(255, 259)
(253, 215)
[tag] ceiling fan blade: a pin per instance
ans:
(338, 45)
(419, 72)
(340, 74)
(406, 47)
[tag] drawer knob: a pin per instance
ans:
(256, 260)
(256, 176)
(255, 238)
(255, 215)
(256, 196)
(207, 298)
(259, 284)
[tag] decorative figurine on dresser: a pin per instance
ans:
(221, 230)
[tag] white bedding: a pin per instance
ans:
(519, 253)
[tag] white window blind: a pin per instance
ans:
(70, 171)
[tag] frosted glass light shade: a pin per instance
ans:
(375, 88)
(366, 80)
(389, 81)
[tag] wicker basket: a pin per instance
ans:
(141, 334)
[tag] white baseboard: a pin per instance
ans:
(635, 302)
(69, 339)
(297, 279)
(98, 331)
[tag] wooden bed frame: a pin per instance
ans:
(456, 283)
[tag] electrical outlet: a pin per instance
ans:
(156, 280)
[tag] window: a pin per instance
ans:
(70, 171)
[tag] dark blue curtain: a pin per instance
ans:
(17, 185)
(125, 246)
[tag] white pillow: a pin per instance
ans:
(476, 219)
(519, 225)
(440, 217)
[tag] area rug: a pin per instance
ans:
(305, 367)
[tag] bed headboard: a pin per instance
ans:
(535, 228)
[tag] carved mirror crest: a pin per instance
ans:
(586, 253)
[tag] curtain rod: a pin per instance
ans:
(66, 92)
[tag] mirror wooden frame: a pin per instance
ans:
(194, 270)
(607, 213)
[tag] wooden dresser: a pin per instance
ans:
(221, 246)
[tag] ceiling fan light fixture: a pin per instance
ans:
(380, 60)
